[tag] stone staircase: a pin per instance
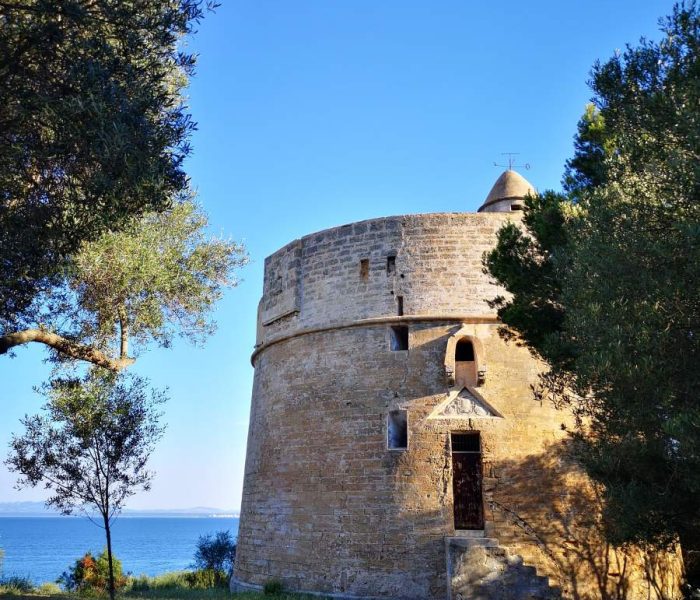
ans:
(478, 568)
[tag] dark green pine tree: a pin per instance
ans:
(605, 284)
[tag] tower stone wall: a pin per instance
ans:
(329, 507)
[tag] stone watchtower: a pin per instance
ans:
(395, 449)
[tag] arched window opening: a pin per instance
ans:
(464, 351)
(465, 363)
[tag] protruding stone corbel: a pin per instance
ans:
(481, 375)
(450, 376)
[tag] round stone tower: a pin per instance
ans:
(395, 449)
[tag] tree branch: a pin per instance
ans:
(64, 346)
(124, 328)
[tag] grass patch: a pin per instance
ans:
(178, 585)
(165, 594)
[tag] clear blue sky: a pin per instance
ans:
(314, 113)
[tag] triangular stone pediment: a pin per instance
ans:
(463, 404)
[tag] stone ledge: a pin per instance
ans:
(447, 318)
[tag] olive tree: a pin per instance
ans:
(158, 276)
(94, 128)
(91, 446)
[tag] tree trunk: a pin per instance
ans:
(109, 557)
(124, 338)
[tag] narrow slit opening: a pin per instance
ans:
(364, 269)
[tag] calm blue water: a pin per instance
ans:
(43, 547)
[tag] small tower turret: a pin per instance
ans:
(507, 193)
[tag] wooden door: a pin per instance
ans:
(467, 481)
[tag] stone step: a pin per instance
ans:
(469, 533)
(471, 542)
(484, 569)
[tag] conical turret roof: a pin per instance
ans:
(509, 186)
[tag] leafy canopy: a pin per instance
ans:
(91, 446)
(604, 285)
(158, 276)
(93, 128)
(161, 274)
(216, 553)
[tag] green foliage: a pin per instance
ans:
(168, 586)
(160, 274)
(90, 449)
(605, 285)
(143, 583)
(93, 127)
(176, 587)
(97, 434)
(216, 554)
(273, 587)
(48, 589)
(15, 585)
(201, 579)
(528, 264)
(592, 145)
(90, 576)
(206, 578)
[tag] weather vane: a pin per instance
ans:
(511, 161)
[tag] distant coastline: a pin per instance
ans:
(37, 509)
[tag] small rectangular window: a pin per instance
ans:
(516, 207)
(399, 301)
(390, 265)
(399, 337)
(397, 430)
(364, 269)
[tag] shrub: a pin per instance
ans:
(216, 552)
(273, 587)
(166, 581)
(140, 584)
(15, 584)
(48, 589)
(90, 575)
(205, 578)
(174, 579)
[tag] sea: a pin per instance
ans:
(41, 548)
